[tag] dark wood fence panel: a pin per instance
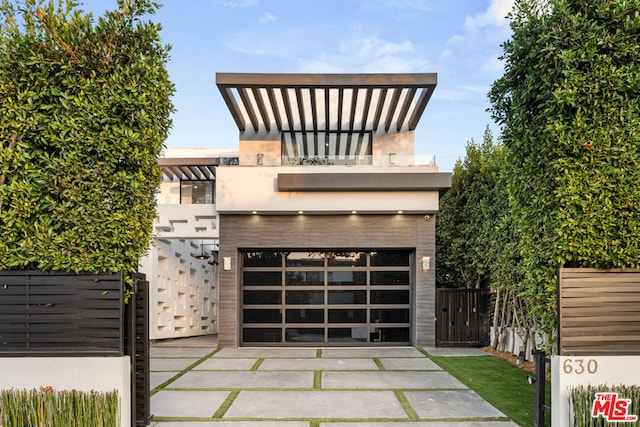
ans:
(138, 349)
(58, 314)
(462, 318)
(599, 311)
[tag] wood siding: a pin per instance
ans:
(327, 232)
(599, 312)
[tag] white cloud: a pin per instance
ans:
(266, 18)
(369, 54)
(494, 16)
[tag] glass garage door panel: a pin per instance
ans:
(262, 335)
(304, 297)
(326, 297)
(304, 315)
(262, 278)
(305, 335)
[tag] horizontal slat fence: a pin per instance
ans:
(599, 311)
(61, 314)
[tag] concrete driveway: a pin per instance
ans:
(311, 387)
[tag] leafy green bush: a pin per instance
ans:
(85, 106)
(582, 402)
(569, 107)
(49, 408)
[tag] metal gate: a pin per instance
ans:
(462, 317)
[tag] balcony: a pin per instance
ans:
(390, 159)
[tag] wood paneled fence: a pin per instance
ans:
(462, 317)
(599, 312)
(46, 314)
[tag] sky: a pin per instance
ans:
(460, 40)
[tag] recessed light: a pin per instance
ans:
(400, 212)
(300, 212)
(254, 212)
(354, 212)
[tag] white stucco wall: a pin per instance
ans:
(183, 292)
(245, 189)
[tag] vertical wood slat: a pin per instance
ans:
(599, 311)
(49, 314)
(462, 317)
(137, 340)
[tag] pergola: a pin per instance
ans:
(342, 103)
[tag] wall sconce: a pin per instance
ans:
(260, 159)
(426, 263)
(226, 263)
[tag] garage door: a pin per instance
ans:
(326, 297)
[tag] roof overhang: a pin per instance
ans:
(189, 169)
(326, 102)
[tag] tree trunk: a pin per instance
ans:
(496, 332)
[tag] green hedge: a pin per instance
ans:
(49, 408)
(85, 108)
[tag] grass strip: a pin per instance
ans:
(498, 382)
(411, 413)
(317, 380)
(257, 364)
(184, 371)
(318, 353)
(379, 364)
(226, 404)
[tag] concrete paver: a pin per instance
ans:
(318, 365)
(409, 364)
(451, 404)
(390, 380)
(213, 364)
(244, 380)
(157, 378)
(167, 403)
(316, 404)
(346, 385)
(266, 352)
(424, 424)
(372, 352)
(234, 424)
(180, 352)
(171, 364)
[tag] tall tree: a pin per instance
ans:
(569, 106)
(85, 108)
(466, 241)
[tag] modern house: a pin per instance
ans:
(320, 229)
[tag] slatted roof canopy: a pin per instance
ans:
(326, 102)
(189, 169)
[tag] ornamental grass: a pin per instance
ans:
(55, 408)
(582, 404)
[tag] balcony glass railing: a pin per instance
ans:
(367, 160)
